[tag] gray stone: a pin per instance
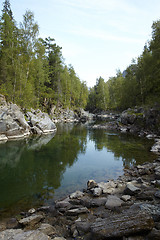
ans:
(113, 202)
(47, 229)
(31, 220)
(126, 198)
(97, 191)
(157, 194)
(131, 189)
(119, 225)
(18, 234)
(63, 204)
(41, 121)
(153, 210)
(108, 187)
(76, 195)
(77, 211)
(93, 202)
(59, 238)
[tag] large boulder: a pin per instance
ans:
(41, 121)
(12, 121)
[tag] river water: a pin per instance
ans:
(39, 170)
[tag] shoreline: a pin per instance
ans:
(133, 200)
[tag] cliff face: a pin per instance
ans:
(15, 124)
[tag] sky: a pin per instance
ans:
(98, 37)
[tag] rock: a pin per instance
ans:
(93, 202)
(18, 234)
(156, 147)
(113, 202)
(97, 191)
(91, 184)
(76, 194)
(134, 238)
(131, 189)
(63, 204)
(154, 234)
(77, 211)
(3, 138)
(47, 229)
(31, 211)
(83, 226)
(59, 238)
(12, 223)
(126, 198)
(157, 194)
(119, 225)
(157, 172)
(108, 187)
(41, 121)
(153, 210)
(31, 220)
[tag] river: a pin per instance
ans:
(38, 170)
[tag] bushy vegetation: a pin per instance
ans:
(138, 85)
(32, 70)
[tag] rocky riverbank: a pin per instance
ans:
(127, 208)
(15, 124)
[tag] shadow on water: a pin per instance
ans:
(38, 170)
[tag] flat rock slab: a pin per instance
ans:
(119, 225)
(18, 234)
(31, 221)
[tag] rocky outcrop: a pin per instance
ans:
(126, 208)
(14, 124)
(141, 120)
(39, 122)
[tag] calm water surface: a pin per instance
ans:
(40, 170)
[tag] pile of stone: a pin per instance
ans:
(14, 124)
(127, 208)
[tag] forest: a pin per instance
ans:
(33, 72)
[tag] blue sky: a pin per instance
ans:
(97, 36)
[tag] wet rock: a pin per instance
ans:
(131, 189)
(119, 225)
(91, 184)
(31, 220)
(18, 234)
(113, 202)
(76, 194)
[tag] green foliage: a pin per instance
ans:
(32, 70)
(140, 85)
